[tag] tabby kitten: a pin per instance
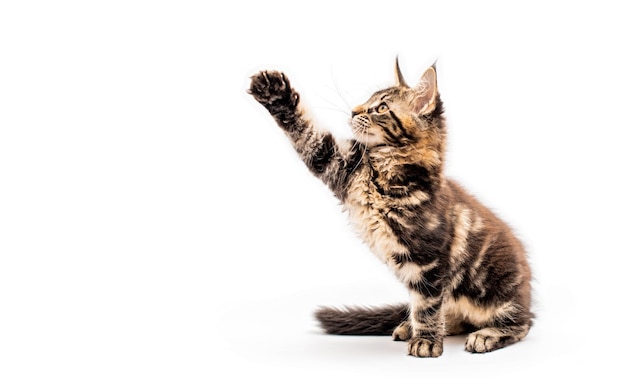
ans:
(463, 267)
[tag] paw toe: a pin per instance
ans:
(402, 332)
(270, 86)
(481, 343)
(425, 348)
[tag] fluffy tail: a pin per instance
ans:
(362, 320)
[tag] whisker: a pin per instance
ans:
(332, 74)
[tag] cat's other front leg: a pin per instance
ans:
(427, 322)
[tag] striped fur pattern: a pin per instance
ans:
(464, 269)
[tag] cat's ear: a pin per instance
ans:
(399, 78)
(426, 92)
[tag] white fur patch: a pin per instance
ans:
(462, 226)
(363, 204)
(412, 272)
(432, 221)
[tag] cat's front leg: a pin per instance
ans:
(333, 163)
(427, 325)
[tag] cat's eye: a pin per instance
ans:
(382, 108)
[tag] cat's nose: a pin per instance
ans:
(358, 110)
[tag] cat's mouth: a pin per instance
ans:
(359, 128)
(360, 124)
(362, 130)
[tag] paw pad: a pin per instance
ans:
(271, 87)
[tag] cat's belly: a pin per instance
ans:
(366, 210)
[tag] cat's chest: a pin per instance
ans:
(368, 209)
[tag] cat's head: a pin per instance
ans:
(399, 115)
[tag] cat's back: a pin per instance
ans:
(487, 259)
(479, 219)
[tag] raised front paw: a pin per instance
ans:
(272, 88)
(421, 347)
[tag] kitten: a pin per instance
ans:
(464, 269)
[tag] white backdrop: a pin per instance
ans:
(155, 222)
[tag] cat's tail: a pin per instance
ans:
(362, 320)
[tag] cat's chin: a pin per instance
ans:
(369, 139)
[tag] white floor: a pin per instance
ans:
(281, 339)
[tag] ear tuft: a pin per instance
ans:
(399, 78)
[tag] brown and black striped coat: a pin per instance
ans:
(464, 269)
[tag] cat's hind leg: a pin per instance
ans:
(402, 332)
(492, 338)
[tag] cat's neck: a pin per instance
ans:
(397, 168)
(387, 158)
